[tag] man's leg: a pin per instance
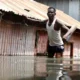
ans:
(51, 51)
(59, 55)
(59, 51)
(50, 55)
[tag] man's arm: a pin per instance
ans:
(69, 32)
(68, 35)
(35, 22)
(63, 26)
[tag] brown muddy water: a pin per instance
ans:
(39, 68)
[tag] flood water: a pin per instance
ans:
(39, 68)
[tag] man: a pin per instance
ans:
(53, 27)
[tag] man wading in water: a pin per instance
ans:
(53, 27)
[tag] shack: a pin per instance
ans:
(16, 38)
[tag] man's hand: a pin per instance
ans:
(69, 33)
(67, 37)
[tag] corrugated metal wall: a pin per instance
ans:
(16, 39)
(63, 5)
(74, 8)
(20, 40)
(79, 10)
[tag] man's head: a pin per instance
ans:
(51, 12)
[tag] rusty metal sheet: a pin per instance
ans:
(35, 10)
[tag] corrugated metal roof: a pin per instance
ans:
(35, 10)
(19, 6)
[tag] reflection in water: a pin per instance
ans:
(16, 67)
(38, 68)
(56, 72)
(58, 75)
(58, 69)
(64, 76)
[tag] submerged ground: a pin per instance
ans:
(39, 68)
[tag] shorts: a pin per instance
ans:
(55, 49)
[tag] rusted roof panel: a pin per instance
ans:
(35, 10)
(21, 7)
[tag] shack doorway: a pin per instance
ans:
(68, 50)
(41, 42)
